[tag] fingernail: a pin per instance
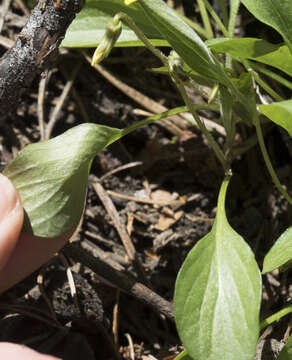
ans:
(8, 197)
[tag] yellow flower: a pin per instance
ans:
(129, 2)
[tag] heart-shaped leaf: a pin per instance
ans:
(217, 295)
(280, 253)
(280, 113)
(276, 13)
(51, 177)
(89, 26)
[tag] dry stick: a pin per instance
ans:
(23, 7)
(146, 201)
(71, 282)
(5, 7)
(6, 42)
(77, 98)
(120, 168)
(131, 346)
(119, 280)
(33, 49)
(61, 101)
(120, 227)
(41, 99)
(115, 326)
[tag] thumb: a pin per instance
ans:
(11, 219)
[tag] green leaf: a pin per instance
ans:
(246, 108)
(275, 13)
(89, 25)
(280, 113)
(262, 51)
(51, 177)
(286, 352)
(280, 253)
(184, 40)
(217, 295)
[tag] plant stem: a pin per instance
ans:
(272, 75)
(261, 82)
(266, 86)
(234, 6)
(205, 18)
(216, 18)
(142, 37)
(197, 121)
(222, 196)
(181, 355)
(195, 26)
(166, 114)
(223, 8)
(278, 315)
(152, 119)
(267, 160)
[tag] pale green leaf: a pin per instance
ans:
(280, 253)
(280, 113)
(217, 295)
(276, 13)
(89, 25)
(183, 39)
(51, 177)
(262, 51)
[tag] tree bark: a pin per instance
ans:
(33, 48)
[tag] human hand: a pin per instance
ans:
(20, 255)
(20, 352)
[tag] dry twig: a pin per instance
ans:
(120, 227)
(119, 280)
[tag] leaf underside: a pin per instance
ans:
(52, 176)
(89, 25)
(280, 113)
(217, 296)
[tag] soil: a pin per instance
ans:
(101, 322)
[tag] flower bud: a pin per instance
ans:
(113, 31)
(176, 63)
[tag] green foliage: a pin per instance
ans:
(88, 28)
(217, 295)
(183, 40)
(280, 253)
(277, 14)
(218, 289)
(277, 55)
(280, 113)
(51, 177)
